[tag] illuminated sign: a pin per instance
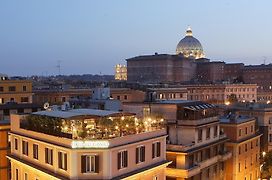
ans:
(90, 144)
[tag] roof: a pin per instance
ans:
(19, 106)
(234, 119)
(191, 105)
(157, 57)
(80, 112)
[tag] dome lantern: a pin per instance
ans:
(190, 46)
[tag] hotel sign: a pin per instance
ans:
(90, 144)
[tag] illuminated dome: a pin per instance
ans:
(190, 46)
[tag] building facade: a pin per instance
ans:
(245, 147)
(263, 115)
(195, 145)
(18, 91)
(120, 72)
(4, 150)
(84, 144)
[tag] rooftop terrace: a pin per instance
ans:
(89, 124)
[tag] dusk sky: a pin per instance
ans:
(90, 37)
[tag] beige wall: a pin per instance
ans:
(18, 93)
(107, 157)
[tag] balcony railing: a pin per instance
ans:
(196, 168)
(194, 122)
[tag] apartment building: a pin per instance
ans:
(263, 115)
(4, 150)
(220, 93)
(245, 147)
(86, 144)
(195, 145)
(19, 91)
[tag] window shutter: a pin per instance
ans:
(59, 159)
(51, 151)
(46, 155)
(65, 161)
(119, 160)
(97, 164)
(83, 164)
(126, 158)
(153, 150)
(143, 153)
(158, 149)
(137, 157)
(26, 148)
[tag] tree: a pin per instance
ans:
(267, 165)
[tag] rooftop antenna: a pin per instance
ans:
(59, 66)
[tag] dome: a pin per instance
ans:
(190, 46)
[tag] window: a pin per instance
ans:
(270, 137)
(251, 145)
(118, 97)
(140, 154)
(2, 101)
(239, 167)
(62, 158)
(90, 164)
(251, 128)
(35, 151)
(25, 147)
(24, 99)
(24, 88)
(25, 177)
(215, 169)
(246, 130)
(12, 88)
(156, 149)
(257, 142)
(208, 133)
(122, 159)
(246, 147)
(49, 156)
(17, 174)
(16, 144)
(200, 135)
(155, 178)
(240, 132)
(208, 172)
(215, 131)
(1, 88)
(125, 97)
(239, 149)
(245, 164)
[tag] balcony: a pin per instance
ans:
(196, 169)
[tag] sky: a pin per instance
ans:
(92, 36)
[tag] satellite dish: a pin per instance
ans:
(46, 105)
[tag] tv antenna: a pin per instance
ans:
(264, 59)
(59, 66)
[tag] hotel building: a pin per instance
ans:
(245, 147)
(4, 150)
(195, 145)
(86, 144)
